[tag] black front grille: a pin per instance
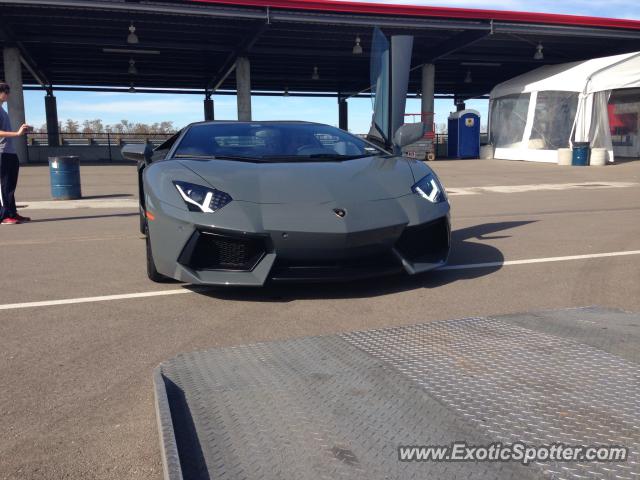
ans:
(428, 242)
(335, 270)
(215, 251)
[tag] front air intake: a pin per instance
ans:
(428, 242)
(218, 251)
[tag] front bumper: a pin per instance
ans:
(251, 244)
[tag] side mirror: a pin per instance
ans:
(409, 133)
(137, 152)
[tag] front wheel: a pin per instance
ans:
(152, 273)
(143, 220)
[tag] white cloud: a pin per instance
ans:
(166, 107)
(109, 94)
(324, 110)
(144, 108)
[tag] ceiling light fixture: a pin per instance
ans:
(357, 48)
(131, 51)
(481, 64)
(467, 78)
(315, 75)
(132, 37)
(132, 67)
(539, 55)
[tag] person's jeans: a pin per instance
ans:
(9, 166)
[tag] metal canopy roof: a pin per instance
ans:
(194, 44)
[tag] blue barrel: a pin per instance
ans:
(64, 173)
(581, 152)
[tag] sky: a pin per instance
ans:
(183, 109)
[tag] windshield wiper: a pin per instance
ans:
(220, 157)
(186, 155)
(240, 158)
(315, 156)
(338, 156)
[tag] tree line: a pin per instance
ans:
(124, 126)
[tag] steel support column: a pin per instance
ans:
(208, 109)
(13, 76)
(428, 86)
(243, 87)
(51, 111)
(343, 114)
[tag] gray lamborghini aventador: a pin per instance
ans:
(242, 203)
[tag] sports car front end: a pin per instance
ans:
(229, 222)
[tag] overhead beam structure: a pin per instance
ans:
(9, 38)
(230, 63)
(453, 44)
(194, 45)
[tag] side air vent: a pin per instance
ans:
(218, 251)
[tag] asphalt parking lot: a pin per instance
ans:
(75, 367)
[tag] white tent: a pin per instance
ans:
(596, 101)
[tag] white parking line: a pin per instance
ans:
(105, 298)
(539, 187)
(113, 204)
(66, 240)
(159, 293)
(539, 260)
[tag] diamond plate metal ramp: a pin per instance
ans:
(339, 406)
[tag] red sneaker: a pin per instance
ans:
(10, 221)
(21, 219)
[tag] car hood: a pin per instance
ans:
(362, 179)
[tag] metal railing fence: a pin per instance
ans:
(110, 140)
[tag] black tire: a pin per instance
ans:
(152, 273)
(143, 221)
(141, 205)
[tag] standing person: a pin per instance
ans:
(9, 164)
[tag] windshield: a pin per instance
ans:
(272, 142)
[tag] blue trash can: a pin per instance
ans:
(64, 173)
(581, 153)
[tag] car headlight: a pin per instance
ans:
(430, 189)
(202, 199)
